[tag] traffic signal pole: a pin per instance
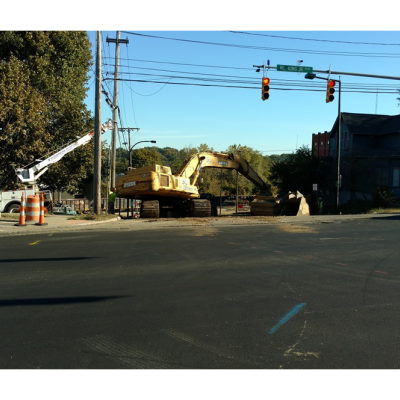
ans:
(329, 98)
(338, 147)
(396, 78)
(323, 71)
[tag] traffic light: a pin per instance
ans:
(265, 89)
(330, 89)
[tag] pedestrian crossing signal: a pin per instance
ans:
(265, 89)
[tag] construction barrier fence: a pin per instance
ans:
(82, 205)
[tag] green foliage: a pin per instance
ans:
(256, 160)
(275, 158)
(42, 91)
(299, 171)
(210, 179)
(121, 166)
(144, 157)
(383, 197)
(122, 154)
(357, 207)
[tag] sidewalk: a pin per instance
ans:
(54, 223)
(57, 223)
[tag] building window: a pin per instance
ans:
(396, 177)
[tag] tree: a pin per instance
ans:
(186, 153)
(300, 171)
(75, 171)
(279, 157)
(122, 160)
(256, 161)
(204, 147)
(43, 77)
(144, 157)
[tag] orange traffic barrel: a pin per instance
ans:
(41, 216)
(32, 209)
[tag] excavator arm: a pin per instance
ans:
(264, 203)
(191, 169)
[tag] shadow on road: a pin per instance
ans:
(56, 300)
(387, 217)
(45, 259)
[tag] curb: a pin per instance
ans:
(100, 222)
(65, 224)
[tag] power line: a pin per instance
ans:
(387, 87)
(317, 52)
(299, 87)
(133, 108)
(227, 76)
(190, 65)
(316, 40)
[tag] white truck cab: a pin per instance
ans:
(10, 200)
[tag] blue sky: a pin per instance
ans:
(183, 115)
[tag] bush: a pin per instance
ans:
(383, 197)
(356, 207)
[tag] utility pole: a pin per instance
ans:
(129, 141)
(97, 131)
(117, 41)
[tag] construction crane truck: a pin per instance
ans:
(164, 194)
(10, 200)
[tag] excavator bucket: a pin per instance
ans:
(265, 206)
(294, 204)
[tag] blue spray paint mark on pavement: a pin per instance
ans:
(287, 317)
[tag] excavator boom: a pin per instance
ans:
(196, 162)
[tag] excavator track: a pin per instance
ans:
(200, 208)
(150, 209)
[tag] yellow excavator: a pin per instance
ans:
(164, 194)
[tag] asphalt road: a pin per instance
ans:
(291, 296)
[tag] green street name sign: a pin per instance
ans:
(294, 68)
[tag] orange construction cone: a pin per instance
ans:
(22, 212)
(41, 216)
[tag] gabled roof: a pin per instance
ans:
(392, 125)
(364, 124)
(369, 124)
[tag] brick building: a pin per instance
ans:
(320, 144)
